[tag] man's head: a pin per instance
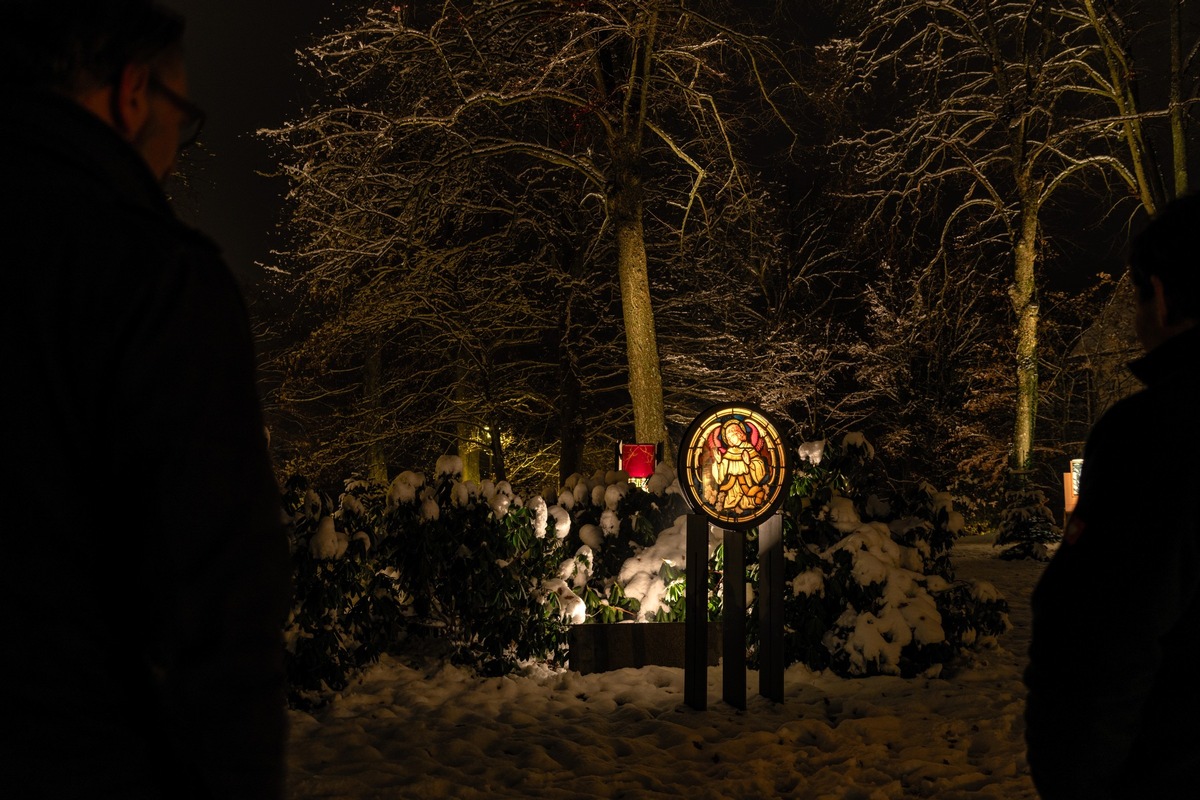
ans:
(120, 59)
(1164, 266)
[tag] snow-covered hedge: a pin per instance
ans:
(465, 569)
(869, 584)
(494, 580)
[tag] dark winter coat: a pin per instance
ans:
(1114, 695)
(144, 577)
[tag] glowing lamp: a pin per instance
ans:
(1071, 487)
(638, 462)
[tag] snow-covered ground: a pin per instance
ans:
(436, 731)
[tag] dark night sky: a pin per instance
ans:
(244, 72)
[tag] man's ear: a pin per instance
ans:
(131, 100)
(1162, 311)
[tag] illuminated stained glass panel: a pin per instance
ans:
(733, 465)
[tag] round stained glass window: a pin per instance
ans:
(733, 465)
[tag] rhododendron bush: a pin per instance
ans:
(481, 576)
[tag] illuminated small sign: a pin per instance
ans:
(733, 466)
(1071, 486)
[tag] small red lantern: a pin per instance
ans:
(638, 462)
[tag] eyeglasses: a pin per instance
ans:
(193, 115)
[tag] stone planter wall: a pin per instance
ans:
(596, 647)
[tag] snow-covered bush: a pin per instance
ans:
(328, 636)
(869, 583)
(619, 523)
(467, 568)
(869, 587)
(494, 581)
(1027, 528)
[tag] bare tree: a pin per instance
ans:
(462, 320)
(759, 319)
(997, 113)
(1150, 77)
(475, 177)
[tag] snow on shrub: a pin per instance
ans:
(1027, 527)
(869, 587)
(467, 567)
(868, 581)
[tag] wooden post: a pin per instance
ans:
(770, 608)
(695, 632)
(733, 620)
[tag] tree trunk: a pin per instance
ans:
(641, 343)
(645, 378)
(572, 428)
(1023, 294)
(1179, 144)
(498, 468)
(377, 469)
(469, 439)
(468, 449)
(570, 418)
(1120, 78)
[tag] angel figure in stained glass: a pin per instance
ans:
(738, 468)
